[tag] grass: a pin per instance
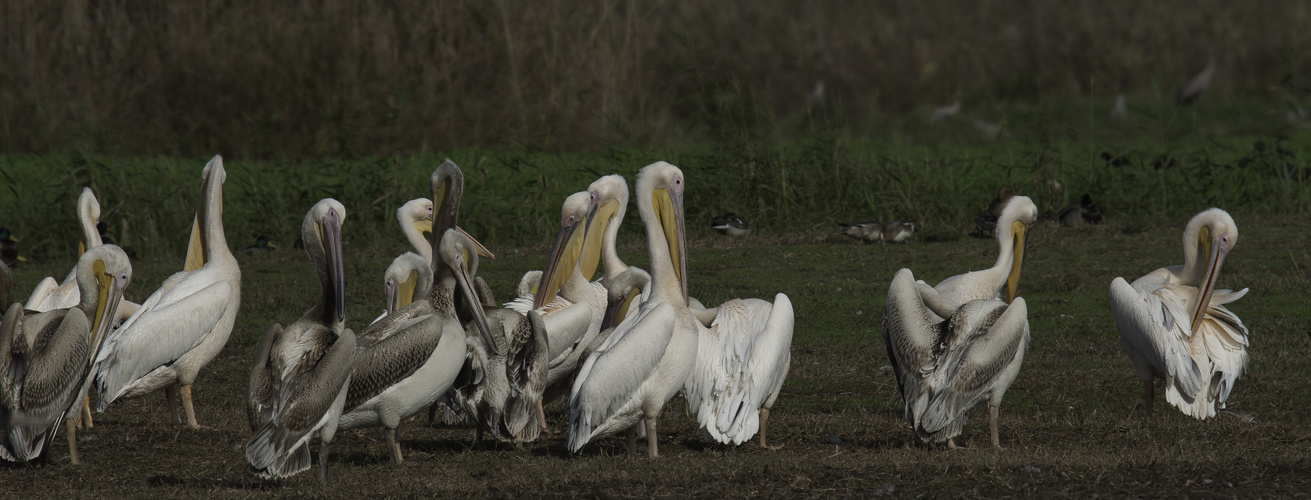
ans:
(1070, 423)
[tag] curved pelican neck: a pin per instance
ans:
(88, 214)
(214, 241)
(412, 234)
(610, 247)
(664, 280)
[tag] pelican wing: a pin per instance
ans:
(43, 296)
(742, 361)
(986, 338)
(1153, 323)
(611, 376)
(170, 323)
(382, 364)
(261, 393)
(56, 366)
(911, 333)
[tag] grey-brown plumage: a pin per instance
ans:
(868, 231)
(946, 366)
(1083, 212)
(46, 358)
(299, 379)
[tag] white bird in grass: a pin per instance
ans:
(46, 358)
(1193, 91)
(1175, 327)
(647, 360)
(942, 113)
(299, 381)
(946, 366)
(185, 323)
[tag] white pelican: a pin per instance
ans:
(185, 323)
(986, 221)
(46, 358)
(415, 218)
(946, 366)
(1174, 324)
(1017, 215)
(646, 361)
(742, 360)
(730, 224)
(506, 366)
(410, 269)
(299, 381)
(48, 294)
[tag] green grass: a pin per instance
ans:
(1070, 424)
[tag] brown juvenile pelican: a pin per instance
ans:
(1175, 326)
(185, 323)
(868, 231)
(946, 366)
(46, 358)
(1083, 212)
(299, 381)
(731, 224)
(1193, 91)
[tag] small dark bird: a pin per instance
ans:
(103, 229)
(1083, 212)
(730, 224)
(898, 231)
(868, 231)
(6, 285)
(986, 221)
(9, 247)
(262, 245)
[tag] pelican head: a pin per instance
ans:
(88, 214)
(660, 199)
(321, 233)
(626, 287)
(103, 273)
(460, 253)
(447, 187)
(610, 195)
(568, 247)
(409, 276)
(416, 213)
(1210, 235)
(1013, 224)
(211, 188)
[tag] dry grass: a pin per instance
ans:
(1070, 423)
(276, 79)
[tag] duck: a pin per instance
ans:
(730, 224)
(868, 231)
(1083, 212)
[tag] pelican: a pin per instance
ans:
(408, 360)
(410, 274)
(1083, 212)
(46, 358)
(299, 381)
(946, 366)
(898, 231)
(415, 218)
(1175, 327)
(1193, 91)
(731, 224)
(1017, 215)
(646, 360)
(742, 360)
(986, 221)
(185, 323)
(506, 367)
(868, 231)
(49, 294)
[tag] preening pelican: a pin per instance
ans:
(946, 366)
(185, 323)
(415, 218)
(300, 377)
(46, 358)
(410, 270)
(408, 360)
(1017, 215)
(742, 360)
(49, 294)
(506, 366)
(646, 360)
(1175, 327)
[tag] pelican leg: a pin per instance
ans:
(764, 421)
(86, 414)
(951, 444)
(652, 446)
(1148, 390)
(189, 408)
(70, 428)
(541, 417)
(323, 463)
(171, 394)
(432, 413)
(992, 424)
(393, 447)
